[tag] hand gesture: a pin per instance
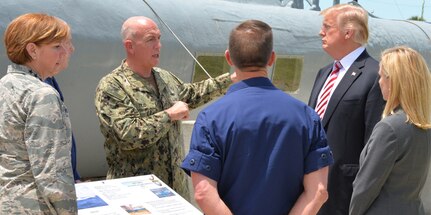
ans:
(178, 111)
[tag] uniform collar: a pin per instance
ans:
(129, 72)
(21, 69)
(251, 82)
(136, 81)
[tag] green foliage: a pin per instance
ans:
(417, 18)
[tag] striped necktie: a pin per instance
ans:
(323, 100)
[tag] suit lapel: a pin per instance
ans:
(349, 78)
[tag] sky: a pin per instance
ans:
(389, 9)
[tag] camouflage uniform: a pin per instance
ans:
(35, 140)
(140, 138)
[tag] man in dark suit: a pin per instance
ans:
(347, 97)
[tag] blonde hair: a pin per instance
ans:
(410, 84)
(34, 28)
(351, 17)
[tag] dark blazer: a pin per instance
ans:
(356, 105)
(393, 169)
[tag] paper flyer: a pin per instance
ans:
(134, 195)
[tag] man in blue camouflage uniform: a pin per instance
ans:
(140, 107)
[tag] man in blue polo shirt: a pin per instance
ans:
(257, 150)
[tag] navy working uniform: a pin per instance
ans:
(140, 137)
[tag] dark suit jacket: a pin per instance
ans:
(356, 105)
(394, 167)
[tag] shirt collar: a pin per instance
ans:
(18, 68)
(348, 60)
(126, 69)
(251, 82)
(129, 72)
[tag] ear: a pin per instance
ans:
(272, 59)
(348, 34)
(128, 46)
(32, 50)
(227, 56)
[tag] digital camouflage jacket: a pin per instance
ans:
(35, 140)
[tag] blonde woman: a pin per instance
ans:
(395, 161)
(35, 133)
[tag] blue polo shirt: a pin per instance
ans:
(257, 142)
